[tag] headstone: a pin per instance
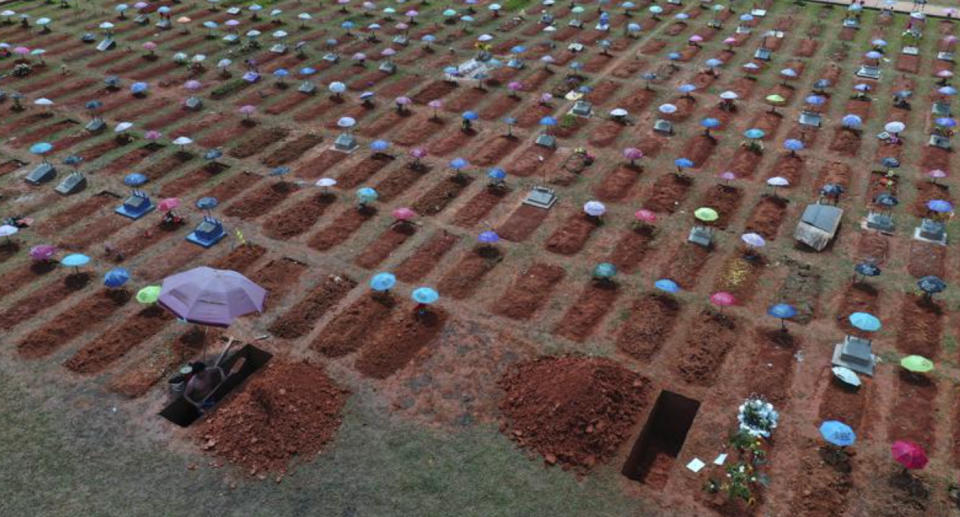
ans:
(250, 76)
(576, 46)
(163, 24)
(541, 197)
(106, 44)
(602, 27)
(663, 126)
(582, 108)
(141, 19)
(910, 50)
(515, 63)
(856, 354)
(41, 174)
(233, 11)
(880, 222)
(401, 40)
(193, 103)
(701, 235)
(759, 13)
(331, 57)
(869, 72)
(95, 125)
(387, 67)
(576, 22)
(940, 108)
(851, 23)
(546, 140)
(674, 2)
(940, 141)
(88, 37)
(743, 29)
(945, 56)
(931, 231)
(810, 118)
(207, 233)
(345, 142)
(73, 183)
(546, 18)
(714, 24)
(763, 54)
(307, 87)
(136, 206)
(278, 48)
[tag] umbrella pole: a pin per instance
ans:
(203, 345)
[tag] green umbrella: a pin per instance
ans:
(148, 294)
(916, 364)
(775, 98)
(706, 214)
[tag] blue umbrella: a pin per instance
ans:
(281, 73)
(75, 260)
(424, 295)
(470, 115)
(783, 312)
(710, 123)
(832, 189)
(134, 179)
(548, 121)
(674, 56)
(793, 145)
(207, 203)
(837, 433)
(873, 54)
(429, 38)
(519, 49)
(458, 163)
(890, 162)
(865, 322)
(605, 271)
(815, 100)
(754, 133)
(821, 84)
(945, 122)
(138, 88)
(367, 195)
(383, 282)
(862, 87)
(686, 88)
(116, 277)
(633, 27)
(713, 62)
(488, 237)
(939, 206)
(852, 121)
(667, 285)
(308, 70)
(41, 148)
(947, 90)
(379, 146)
(683, 163)
(347, 25)
(497, 174)
(746, 17)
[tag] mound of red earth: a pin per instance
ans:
(288, 410)
(572, 410)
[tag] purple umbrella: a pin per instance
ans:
(43, 252)
(210, 296)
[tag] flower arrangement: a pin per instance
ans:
(757, 417)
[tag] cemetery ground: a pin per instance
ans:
(539, 383)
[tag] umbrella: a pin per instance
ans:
(182, 140)
(939, 206)
(837, 433)
(754, 240)
(947, 90)
(894, 127)
(383, 282)
(793, 145)
(379, 146)
(168, 204)
(778, 181)
(645, 216)
(851, 121)
(846, 375)
(326, 182)
(916, 364)
(488, 237)
(890, 162)
(75, 260)
(931, 284)
(867, 269)
(497, 174)
(594, 208)
(148, 294)
(43, 252)
(424, 295)
(667, 108)
(403, 213)
(41, 148)
(908, 454)
(138, 88)
(783, 312)
(667, 285)
(945, 122)
(865, 321)
(548, 121)
(116, 277)
(367, 195)
(754, 133)
(886, 199)
(346, 122)
(729, 95)
(134, 179)
(210, 296)
(122, 126)
(207, 203)
(710, 123)
(682, 163)
(459, 163)
(212, 154)
(604, 270)
(706, 214)
(722, 299)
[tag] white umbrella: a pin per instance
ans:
(7, 230)
(894, 127)
(43, 101)
(123, 126)
(618, 112)
(182, 140)
(729, 95)
(778, 181)
(346, 122)
(326, 182)
(594, 208)
(199, 58)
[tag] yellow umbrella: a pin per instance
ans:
(148, 294)
(706, 214)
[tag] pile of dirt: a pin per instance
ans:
(572, 410)
(288, 410)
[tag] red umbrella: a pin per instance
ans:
(403, 214)
(722, 299)
(909, 454)
(168, 204)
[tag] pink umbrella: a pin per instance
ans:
(231, 23)
(388, 52)
(696, 38)
(435, 104)
(515, 86)
(247, 109)
(722, 299)
(909, 454)
(168, 204)
(403, 101)
(403, 214)
(43, 252)
(418, 152)
(21, 50)
(936, 174)
(152, 135)
(730, 41)
(401, 26)
(645, 216)
(151, 46)
(728, 176)
(632, 153)
(945, 74)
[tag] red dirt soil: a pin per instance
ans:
(529, 291)
(299, 319)
(345, 332)
(290, 410)
(398, 341)
(649, 326)
(575, 411)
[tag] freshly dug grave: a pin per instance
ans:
(573, 410)
(289, 410)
